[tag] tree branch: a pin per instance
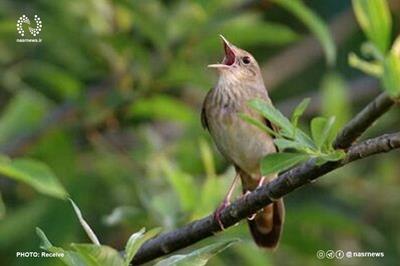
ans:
(362, 121)
(285, 183)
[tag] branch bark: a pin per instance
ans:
(363, 120)
(285, 183)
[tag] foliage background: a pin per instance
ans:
(110, 101)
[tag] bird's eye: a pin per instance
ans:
(246, 60)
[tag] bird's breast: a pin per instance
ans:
(241, 143)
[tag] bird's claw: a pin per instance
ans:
(218, 211)
(251, 217)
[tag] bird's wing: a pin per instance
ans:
(271, 126)
(204, 121)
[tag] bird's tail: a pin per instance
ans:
(266, 226)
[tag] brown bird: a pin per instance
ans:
(241, 143)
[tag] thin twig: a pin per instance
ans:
(363, 120)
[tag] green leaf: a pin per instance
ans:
(321, 130)
(299, 110)
(34, 173)
(136, 240)
(258, 124)
(371, 68)
(396, 47)
(375, 20)
(278, 162)
(334, 156)
(130, 248)
(70, 258)
(98, 255)
(369, 50)
(92, 236)
(277, 118)
(391, 76)
(316, 25)
(284, 144)
(198, 257)
(45, 241)
(273, 115)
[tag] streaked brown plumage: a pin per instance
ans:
(242, 144)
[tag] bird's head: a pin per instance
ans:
(237, 64)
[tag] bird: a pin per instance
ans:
(243, 145)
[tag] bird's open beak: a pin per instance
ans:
(229, 58)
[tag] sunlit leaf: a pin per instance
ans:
(272, 114)
(371, 68)
(70, 258)
(284, 144)
(396, 47)
(34, 173)
(92, 236)
(198, 257)
(257, 123)
(98, 255)
(321, 130)
(375, 20)
(314, 23)
(278, 162)
(331, 157)
(391, 76)
(369, 50)
(136, 240)
(286, 129)
(299, 110)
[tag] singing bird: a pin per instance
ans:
(243, 144)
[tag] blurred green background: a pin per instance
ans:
(110, 100)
